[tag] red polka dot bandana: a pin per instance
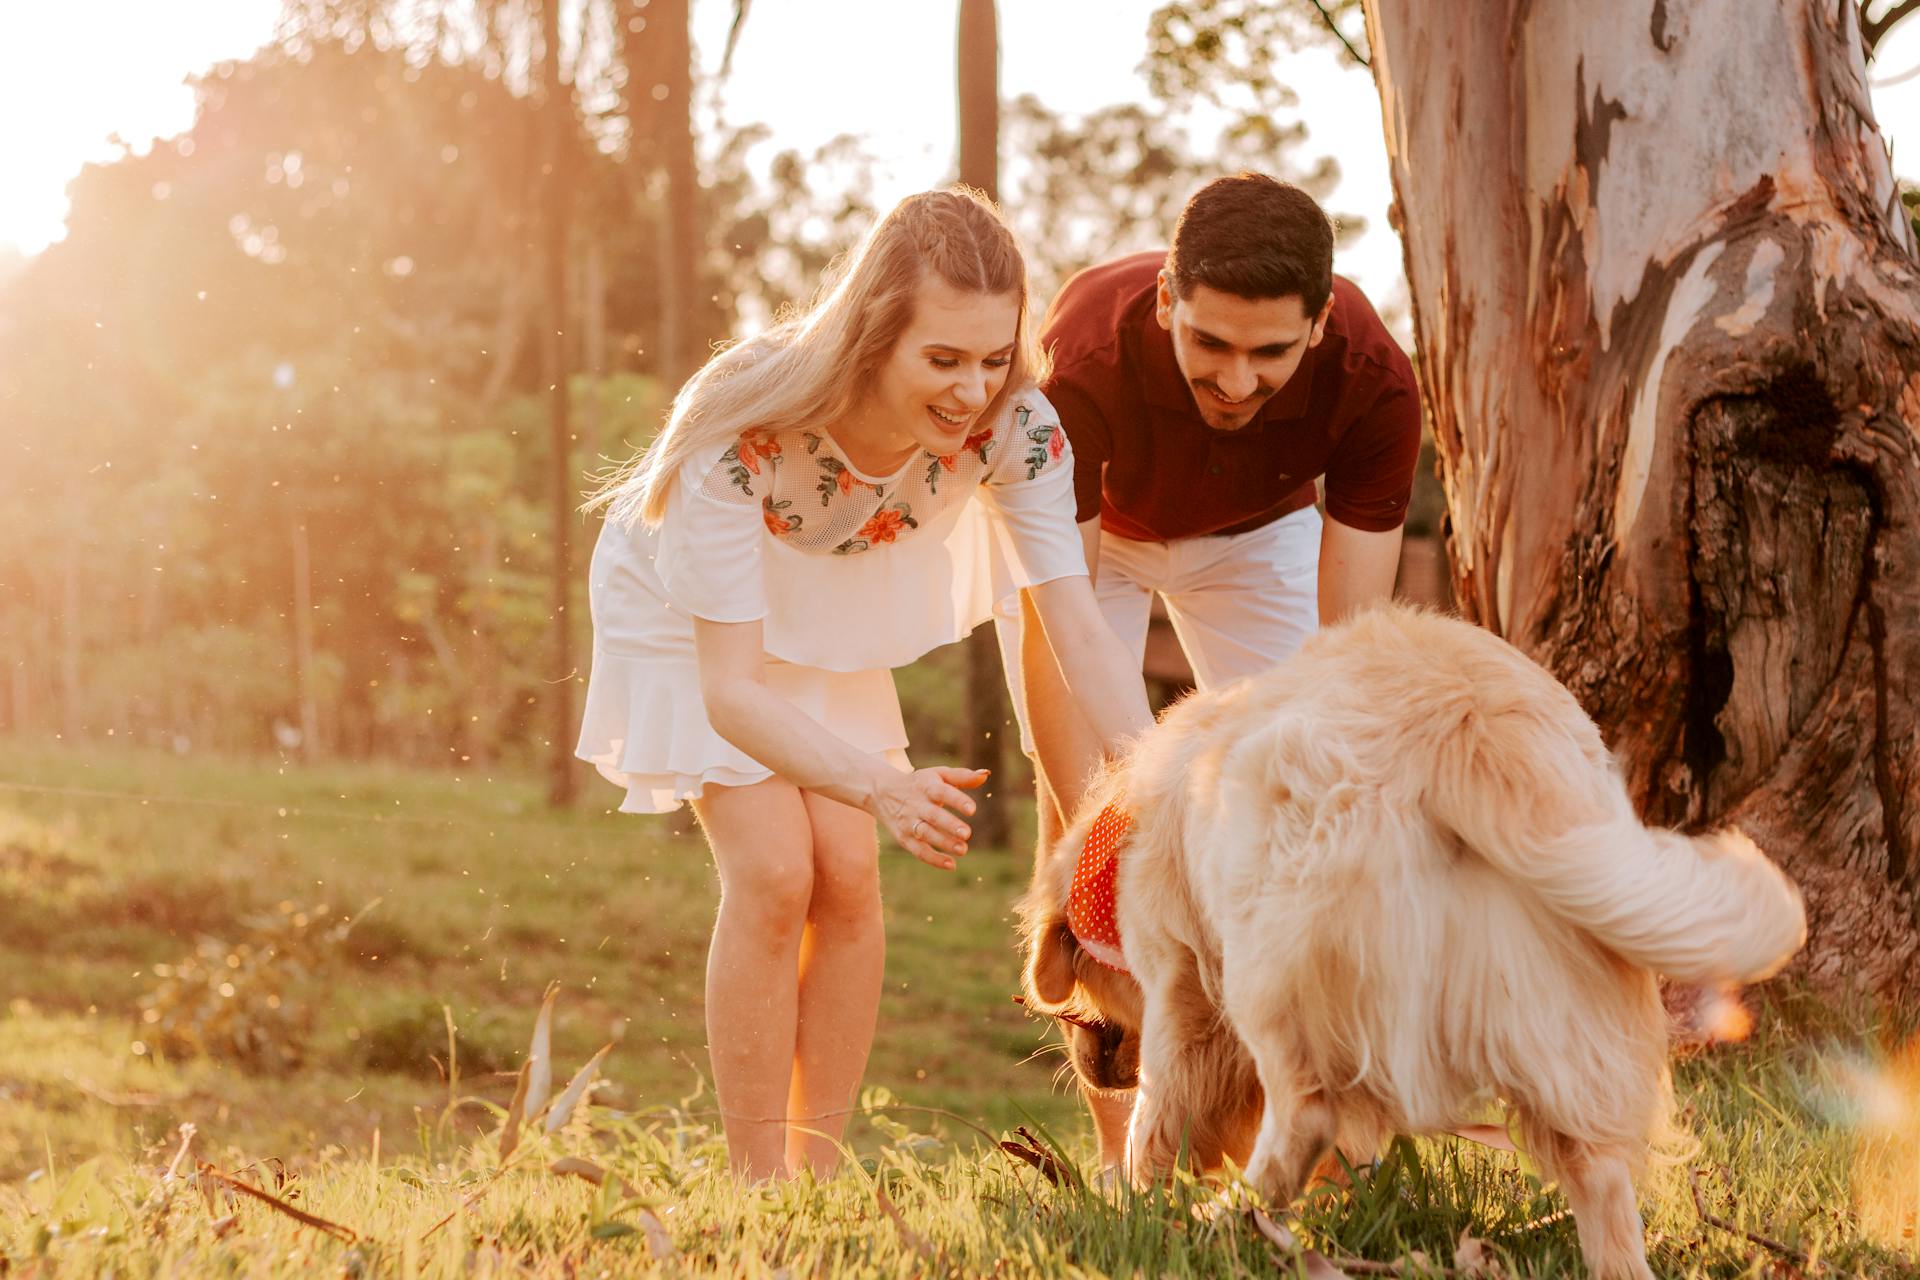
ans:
(1090, 901)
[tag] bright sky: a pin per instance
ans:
(64, 89)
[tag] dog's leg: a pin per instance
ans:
(1296, 1129)
(1298, 1121)
(1110, 1112)
(1177, 1029)
(1598, 1182)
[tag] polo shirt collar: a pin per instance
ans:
(1164, 387)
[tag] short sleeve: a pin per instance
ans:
(1090, 437)
(708, 549)
(1030, 494)
(1370, 476)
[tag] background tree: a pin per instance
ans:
(1669, 333)
(988, 714)
(556, 200)
(327, 306)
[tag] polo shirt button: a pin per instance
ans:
(1214, 470)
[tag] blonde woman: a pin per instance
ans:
(825, 503)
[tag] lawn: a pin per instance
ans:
(355, 913)
(466, 895)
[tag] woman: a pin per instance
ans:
(826, 502)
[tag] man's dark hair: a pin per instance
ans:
(1254, 237)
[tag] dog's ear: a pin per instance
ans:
(1050, 962)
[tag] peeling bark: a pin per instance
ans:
(1669, 323)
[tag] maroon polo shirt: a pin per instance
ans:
(1152, 470)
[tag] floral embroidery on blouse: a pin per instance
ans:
(883, 526)
(845, 514)
(837, 477)
(778, 523)
(1048, 441)
(980, 443)
(742, 460)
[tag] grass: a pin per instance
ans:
(116, 867)
(113, 862)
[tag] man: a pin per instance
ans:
(1204, 391)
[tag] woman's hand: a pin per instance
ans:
(915, 806)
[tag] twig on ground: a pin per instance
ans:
(1319, 1266)
(468, 1203)
(345, 1235)
(1765, 1242)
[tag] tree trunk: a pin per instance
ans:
(1668, 326)
(988, 714)
(304, 679)
(557, 113)
(70, 720)
(658, 51)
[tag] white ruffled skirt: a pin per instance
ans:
(645, 727)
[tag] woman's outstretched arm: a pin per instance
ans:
(924, 810)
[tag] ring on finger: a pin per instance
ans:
(917, 824)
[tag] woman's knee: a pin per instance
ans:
(846, 879)
(771, 887)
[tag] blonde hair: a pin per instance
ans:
(810, 367)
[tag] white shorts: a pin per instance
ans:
(1239, 603)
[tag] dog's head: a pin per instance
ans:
(1098, 1008)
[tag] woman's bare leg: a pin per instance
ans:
(762, 843)
(841, 959)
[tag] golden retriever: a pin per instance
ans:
(1370, 890)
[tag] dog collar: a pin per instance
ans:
(1090, 902)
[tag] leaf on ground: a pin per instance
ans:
(576, 1089)
(1471, 1257)
(1316, 1267)
(516, 1112)
(540, 1054)
(580, 1167)
(221, 1226)
(1038, 1159)
(1042, 1157)
(659, 1239)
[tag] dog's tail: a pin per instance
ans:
(1550, 811)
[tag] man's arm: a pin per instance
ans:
(1357, 567)
(1067, 747)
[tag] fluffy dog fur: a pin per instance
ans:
(1376, 886)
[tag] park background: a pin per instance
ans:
(314, 319)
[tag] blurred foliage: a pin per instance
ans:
(1083, 190)
(314, 318)
(232, 1002)
(409, 1037)
(1222, 50)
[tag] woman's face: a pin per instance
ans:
(947, 366)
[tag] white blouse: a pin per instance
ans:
(850, 572)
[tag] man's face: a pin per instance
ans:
(1235, 352)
